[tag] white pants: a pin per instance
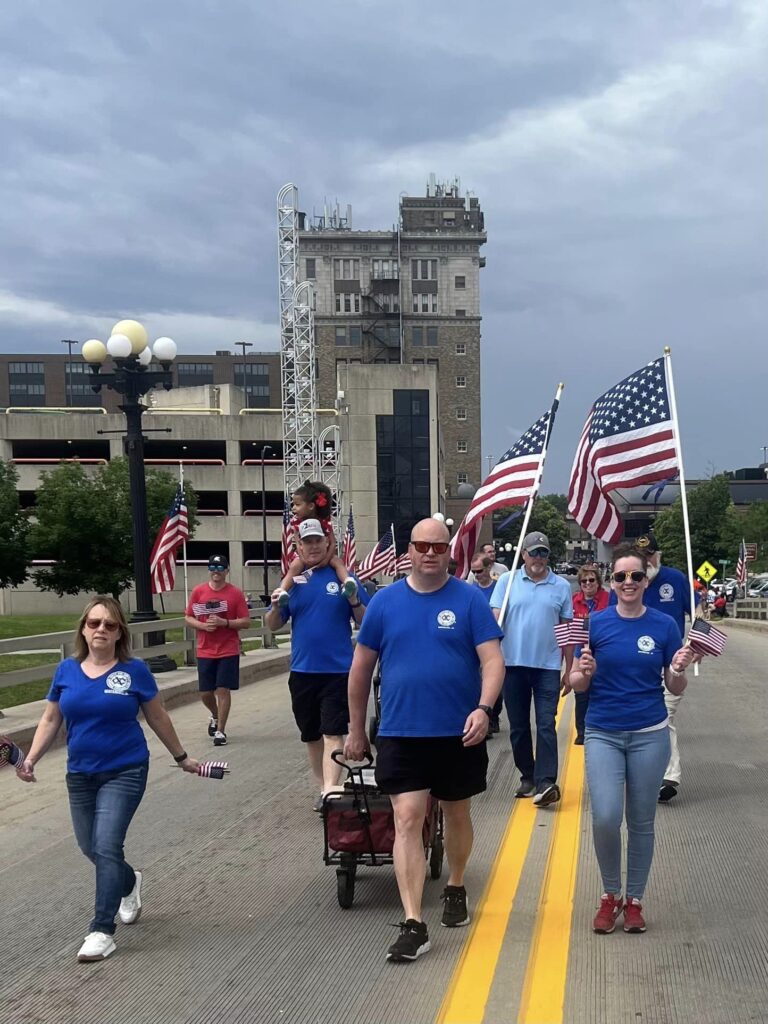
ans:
(673, 773)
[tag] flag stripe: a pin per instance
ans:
(173, 532)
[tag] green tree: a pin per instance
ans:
(560, 501)
(84, 525)
(711, 521)
(14, 530)
(544, 517)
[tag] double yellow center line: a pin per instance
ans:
(544, 986)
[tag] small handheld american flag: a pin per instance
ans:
(10, 753)
(213, 769)
(574, 633)
(705, 638)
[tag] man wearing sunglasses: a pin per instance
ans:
(538, 601)
(441, 672)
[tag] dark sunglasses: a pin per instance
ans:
(423, 546)
(589, 579)
(637, 576)
(538, 553)
(109, 626)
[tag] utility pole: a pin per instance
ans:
(244, 345)
(490, 462)
(765, 449)
(68, 377)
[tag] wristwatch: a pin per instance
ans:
(488, 710)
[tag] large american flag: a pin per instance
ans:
(380, 560)
(286, 540)
(741, 564)
(173, 532)
(510, 482)
(349, 548)
(628, 439)
(403, 565)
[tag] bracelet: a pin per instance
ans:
(355, 605)
(675, 673)
(182, 757)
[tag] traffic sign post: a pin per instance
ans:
(751, 552)
(706, 571)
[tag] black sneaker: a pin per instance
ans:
(667, 792)
(579, 741)
(219, 738)
(549, 793)
(526, 788)
(455, 914)
(213, 725)
(411, 943)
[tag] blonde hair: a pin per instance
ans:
(115, 611)
(593, 570)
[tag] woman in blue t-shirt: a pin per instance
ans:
(98, 693)
(633, 651)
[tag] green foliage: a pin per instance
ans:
(84, 524)
(14, 530)
(544, 517)
(560, 501)
(715, 531)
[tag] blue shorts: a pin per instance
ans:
(215, 673)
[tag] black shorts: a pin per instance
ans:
(319, 701)
(215, 673)
(441, 764)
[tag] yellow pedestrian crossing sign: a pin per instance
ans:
(707, 571)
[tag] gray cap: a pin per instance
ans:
(310, 528)
(536, 540)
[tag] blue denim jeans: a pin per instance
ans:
(543, 685)
(623, 764)
(102, 806)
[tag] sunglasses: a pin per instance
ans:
(637, 576)
(538, 553)
(589, 579)
(109, 626)
(423, 546)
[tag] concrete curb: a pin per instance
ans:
(176, 688)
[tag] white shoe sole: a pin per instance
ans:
(84, 958)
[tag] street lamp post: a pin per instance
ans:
(266, 448)
(68, 377)
(244, 345)
(132, 379)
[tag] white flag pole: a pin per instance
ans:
(529, 508)
(184, 542)
(681, 472)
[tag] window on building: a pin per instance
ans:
(461, 447)
(346, 270)
(253, 378)
(77, 378)
(461, 312)
(417, 335)
(355, 334)
(460, 281)
(462, 478)
(309, 269)
(432, 336)
(424, 303)
(433, 362)
(461, 412)
(385, 270)
(192, 375)
(420, 362)
(461, 348)
(342, 337)
(424, 270)
(461, 381)
(347, 302)
(449, 217)
(387, 303)
(26, 383)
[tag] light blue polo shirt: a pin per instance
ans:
(533, 611)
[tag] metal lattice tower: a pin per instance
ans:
(297, 350)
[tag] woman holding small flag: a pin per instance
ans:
(590, 598)
(627, 735)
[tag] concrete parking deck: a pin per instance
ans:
(241, 921)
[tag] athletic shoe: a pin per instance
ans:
(349, 588)
(549, 793)
(130, 905)
(605, 919)
(318, 804)
(667, 791)
(213, 726)
(219, 738)
(633, 917)
(526, 788)
(412, 942)
(283, 598)
(455, 913)
(97, 946)
(579, 741)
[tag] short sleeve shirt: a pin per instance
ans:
(321, 633)
(227, 603)
(668, 592)
(533, 611)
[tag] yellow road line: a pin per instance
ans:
(470, 985)
(545, 976)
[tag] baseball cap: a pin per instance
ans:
(217, 563)
(310, 528)
(647, 543)
(536, 540)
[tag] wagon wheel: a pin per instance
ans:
(373, 728)
(345, 881)
(436, 857)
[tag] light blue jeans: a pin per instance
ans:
(620, 763)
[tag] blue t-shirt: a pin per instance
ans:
(669, 592)
(533, 611)
(103, 732)
(321, 635)
(627, 691)
(430, 678)
(487, 592)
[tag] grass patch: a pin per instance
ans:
(33, 625)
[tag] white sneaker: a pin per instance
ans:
(219, 738)
(97, 946)
(130, 905)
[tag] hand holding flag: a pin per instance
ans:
(705, 638)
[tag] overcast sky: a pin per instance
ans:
(618, 149)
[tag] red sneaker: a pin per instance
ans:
(633, 918)
(605, 919)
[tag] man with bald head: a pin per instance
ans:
(441, 672)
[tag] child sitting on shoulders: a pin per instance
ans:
(313, 501)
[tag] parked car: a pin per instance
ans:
(758, 587)
(566, 569)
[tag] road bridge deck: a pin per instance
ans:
(241, 922)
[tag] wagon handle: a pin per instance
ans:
(337, 756)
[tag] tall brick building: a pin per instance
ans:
(407, 295)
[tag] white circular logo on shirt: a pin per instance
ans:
(666, 592)
(446, 619)
(119, 682)
(332, 587)
(646, 644)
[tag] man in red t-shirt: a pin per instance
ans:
(218, 611)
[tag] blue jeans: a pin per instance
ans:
(543, 684)
(620, 763)
(102, 806)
